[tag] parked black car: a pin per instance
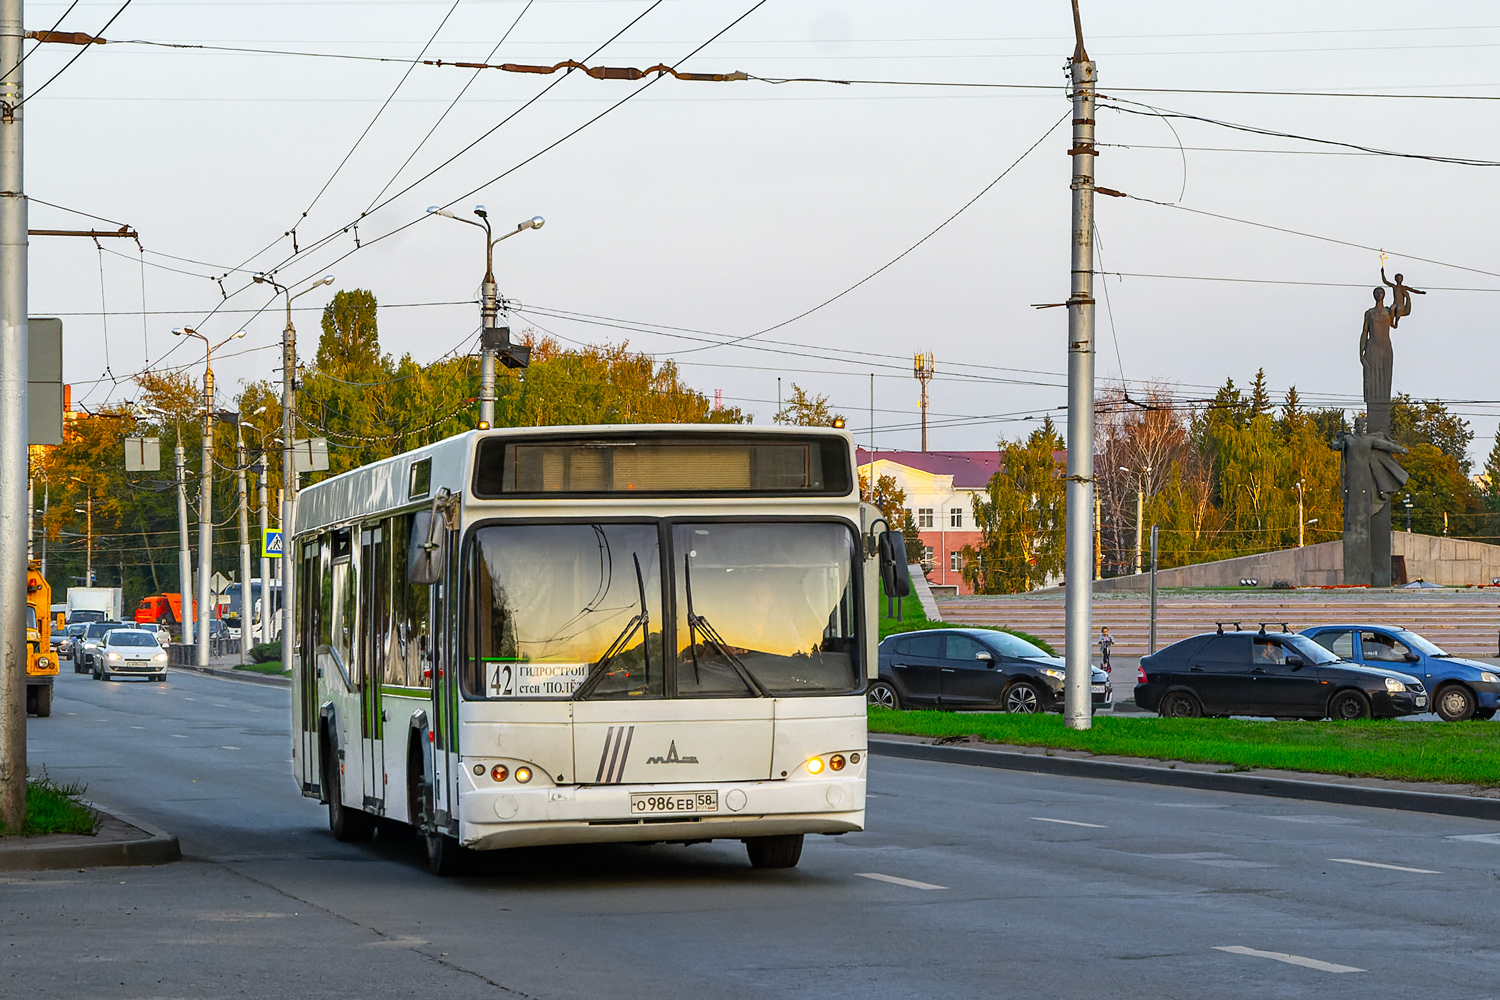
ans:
(1259, 673)
(971, 668)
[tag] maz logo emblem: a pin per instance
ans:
(671, 757)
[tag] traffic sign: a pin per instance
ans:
(270, 544)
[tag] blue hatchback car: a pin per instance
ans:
(1460, 689)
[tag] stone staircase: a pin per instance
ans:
(1463, 622)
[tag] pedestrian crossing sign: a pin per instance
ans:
(270, 544)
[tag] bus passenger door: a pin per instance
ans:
(445, 747)
(374, 600)
(310, 580)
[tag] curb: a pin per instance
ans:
(231, 674)
(157, 848)
(1242, 784)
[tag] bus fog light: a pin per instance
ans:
(854, 758)
(478, 768)
(836, 762)
(815, 766)
(523, 774)
(500, 772)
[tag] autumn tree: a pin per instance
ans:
(804, 409)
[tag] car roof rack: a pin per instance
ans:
(1285, 629)
(1222, 624)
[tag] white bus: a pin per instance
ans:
(583, 634)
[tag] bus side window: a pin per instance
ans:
(408, 660)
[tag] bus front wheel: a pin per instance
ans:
(783, 851)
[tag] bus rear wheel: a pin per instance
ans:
(782, 851)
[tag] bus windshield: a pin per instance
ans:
(765, 608)
(577, 610)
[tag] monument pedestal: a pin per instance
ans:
(1380, 548)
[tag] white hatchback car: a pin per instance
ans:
(130, 651)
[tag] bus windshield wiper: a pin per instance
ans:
(697, 623)
(640, 621)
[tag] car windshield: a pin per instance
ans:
(130, 638)
(1013, 645)
(76, 629)
(1420, 645)
(1307, 649)
(97, 629)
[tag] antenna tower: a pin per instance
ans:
(922, 368)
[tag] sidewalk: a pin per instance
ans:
(118, 842)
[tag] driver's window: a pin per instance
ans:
(1267, 651)
(1340, 644)
(963, 647)
(1382, 648)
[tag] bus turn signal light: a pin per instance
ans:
(815, 766)
(836, 762)
(523, 774)
(499, 772)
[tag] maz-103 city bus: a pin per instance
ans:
(583, 634)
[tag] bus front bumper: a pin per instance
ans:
(571, 814)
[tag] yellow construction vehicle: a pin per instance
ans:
(41, 658)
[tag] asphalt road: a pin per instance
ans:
(970, 882)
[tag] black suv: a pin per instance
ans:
(1277, 674)
(968, 668)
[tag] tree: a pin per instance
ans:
(1492, 477)
(891, 499)
(1437, 487)
(351, 338)
(1429, 421)
(1260, 396)
(804, 409)
(1021, 518)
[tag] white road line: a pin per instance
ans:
(1281, 956)
(909, 883)
(1377, 864)
(226, 746)
(1070, 822)
(1479, 838)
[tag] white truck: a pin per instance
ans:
(95, 604)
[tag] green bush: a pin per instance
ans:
(265, 652)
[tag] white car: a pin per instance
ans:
(130, 651)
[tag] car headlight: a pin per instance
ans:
(1393, 686)
(1489, 678)
(111, 656)
(1058, 675)
(161, 657)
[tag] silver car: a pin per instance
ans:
(86, 646)
(130, 651)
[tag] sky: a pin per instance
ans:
(680, 214)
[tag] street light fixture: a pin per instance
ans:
(205, 487)
(493, 339)
(288, 435)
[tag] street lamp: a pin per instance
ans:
(493, 338)
(1140, 512)
(288, 434)
(266, 604)
(1407, 504)
(1301, 513)
(205, 486)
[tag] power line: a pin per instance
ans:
(69, 64)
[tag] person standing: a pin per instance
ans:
(1105, 641)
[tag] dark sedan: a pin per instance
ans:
(973, 668)
(1282, 675)
(1460, 689)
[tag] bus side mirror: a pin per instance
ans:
(424, 560)
(893, 571)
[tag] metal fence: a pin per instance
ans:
(183, 654)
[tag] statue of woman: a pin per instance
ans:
(1375, 353)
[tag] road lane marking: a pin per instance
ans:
(1281, 956)
(1070, 822)
(909, 883)
(1394, 868)
(1478, 838)
(178, 736)
(226, 746)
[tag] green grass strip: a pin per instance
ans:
(273, 667)
(53, 807)
(1460, 753)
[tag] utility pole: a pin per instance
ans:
(47, 505)
(265, 561)
(206, 516)
(1140, 516)
(1080, 489)
(246, 612)
(184, 554)
(13, 428)
(1151, 639)
(1301, 522)
(1098, 540)
(922, 368)
(88, 573)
